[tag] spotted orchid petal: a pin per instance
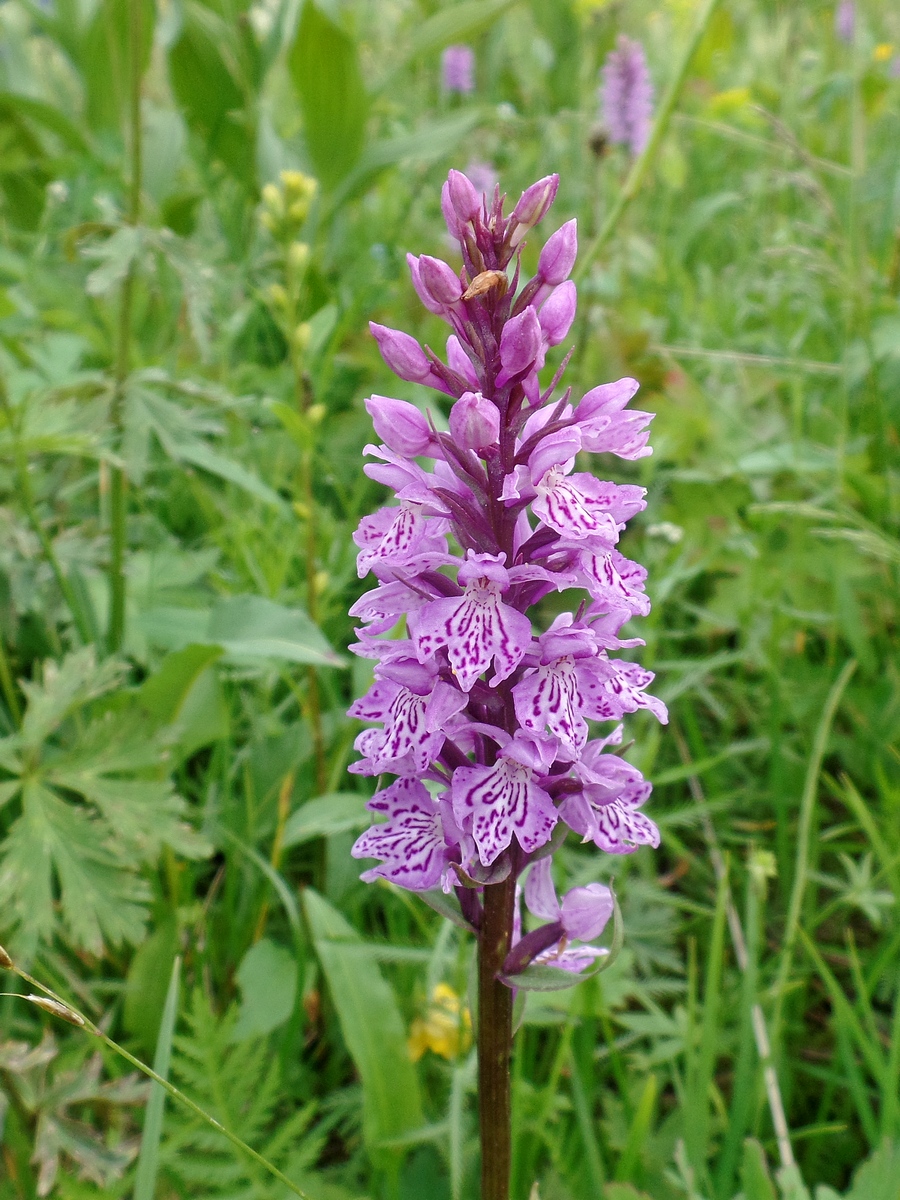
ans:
(410, 843)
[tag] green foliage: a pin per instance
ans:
(188, 798)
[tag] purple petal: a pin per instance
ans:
(411, 843)
(540, 894)
(586, 910)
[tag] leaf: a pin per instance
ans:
(148, 1162)
(755, 1178)
(55, 844)
(879, 1177)
(145, 986)
(324, 67)
(433, 141)
(268, 980)
(208, 73)
(453, 23)
(371, 1025)
(102, 55)
(251, 627)
(116, 255)
(335, 812)
(199, 454)
(63, 689)
(185, 694)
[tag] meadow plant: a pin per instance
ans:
(626, 95)
(458, 70)
(483, 721)
(845, 21)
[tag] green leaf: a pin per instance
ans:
(435, 140)
(185, 693)
(755, 1178)
(102, 55)
(145, 986)
(148, 1162)
(253, 628)
(208, 73)
(53, 844)
(879, 1178)
(117, 255)
(371, 1025)
(324, 67)
(335, 812)
(268, 981)
(199, 454)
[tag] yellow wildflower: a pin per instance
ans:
(446, 1028)
(882, 52)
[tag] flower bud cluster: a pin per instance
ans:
(484, 721)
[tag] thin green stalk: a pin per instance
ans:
(27, 497)
(118, 484)
(804, 827)
(641, 165)
(148, 1160)
(7, 683)
(68, 1012)
(495, 1006)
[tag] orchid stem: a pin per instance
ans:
(495, 1007)
(641, 165)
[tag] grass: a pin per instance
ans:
(751, 286)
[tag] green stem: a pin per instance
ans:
(312, 598)
(7, 683)
(495, 1006)
(118, 492)
(804, 828)
(641, 165)
(76, 1017)
(43, 537)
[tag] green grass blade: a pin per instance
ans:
(639, 1131)
(804, 828)
(148, 1160)
(371, 1024)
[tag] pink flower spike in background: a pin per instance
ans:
(845, 21)
(626, 95)
(458, 70)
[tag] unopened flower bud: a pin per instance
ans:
(316, 414)
(558, 313)
(520, 344)
(474, 421)
(440, 280)
(298, 211)
(400, 425)
(273, 199)
(5, 960)
(532, 207)
(298, 256)
(277, 295)
(463, 195)
(301, 335)
(558, 255)
(402, 353)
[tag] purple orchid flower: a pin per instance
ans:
(458, 69)
(499, 718)
(627, 95)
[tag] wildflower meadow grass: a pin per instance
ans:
(206, 308)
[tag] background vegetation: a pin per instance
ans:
(181, 427)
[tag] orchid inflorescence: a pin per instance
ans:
(483, 721)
